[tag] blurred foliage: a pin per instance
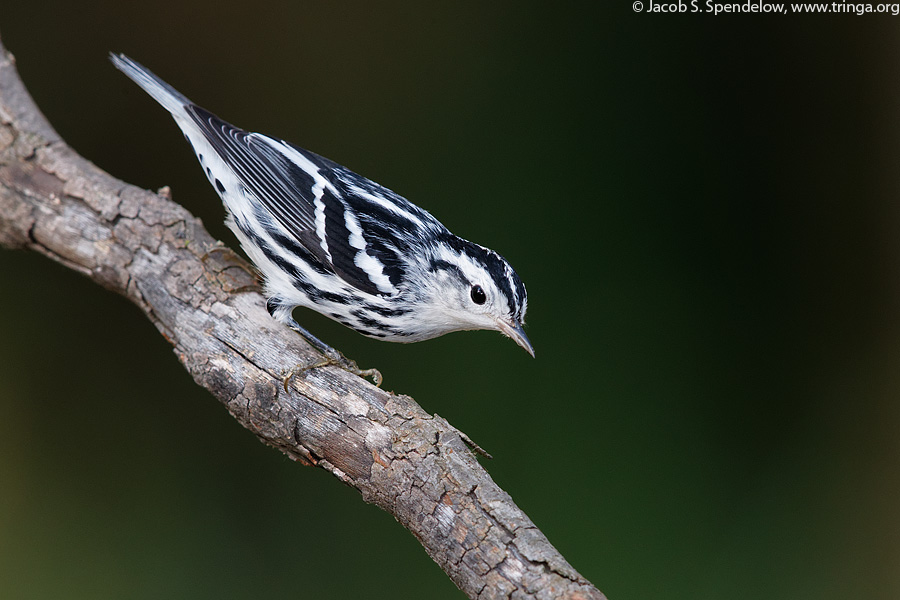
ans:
(705, 212)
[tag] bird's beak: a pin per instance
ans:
(517, 333)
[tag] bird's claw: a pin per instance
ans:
(332, 356)
(338, 360)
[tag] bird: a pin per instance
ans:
(327, 239)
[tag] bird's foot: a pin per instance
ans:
(331, 357)
(334, 358)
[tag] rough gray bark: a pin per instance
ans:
(144, 246)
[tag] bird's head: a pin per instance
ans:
(473, 287)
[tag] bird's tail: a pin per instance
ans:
(170, 98)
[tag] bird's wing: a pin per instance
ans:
(307, 195)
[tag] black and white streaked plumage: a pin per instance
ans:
(328, 239)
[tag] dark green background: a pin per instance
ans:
(705, 211)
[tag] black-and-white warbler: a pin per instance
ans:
(328, 239)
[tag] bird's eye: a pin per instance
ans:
(478, 295)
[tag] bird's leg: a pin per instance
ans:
(331, 357)
(281, 311)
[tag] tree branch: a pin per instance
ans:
(151, 250)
